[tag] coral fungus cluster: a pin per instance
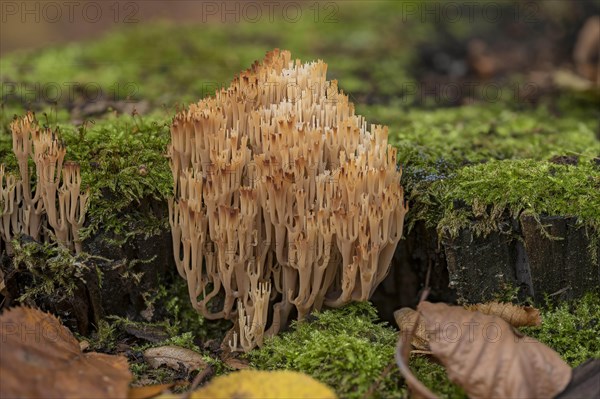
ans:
(284, 198)
(49, 206)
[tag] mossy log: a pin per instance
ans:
(114, 276)
(531, 258)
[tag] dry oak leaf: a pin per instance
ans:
(483, 354)
(174, 357)
(40, 358)
(516, 316)
(406, 319)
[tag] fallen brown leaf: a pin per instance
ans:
(174, 357)
(235, 363)
(516, 316)
(41, 358)
(482, 354)
(229, 357)
(406, 318)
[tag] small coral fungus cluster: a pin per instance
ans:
(284, 198)
(49, 206)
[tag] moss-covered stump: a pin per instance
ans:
(126, 239)
(483, 182)
(85, 288)
(470, 171)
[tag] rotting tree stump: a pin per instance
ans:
(567, 262)
(121, 278)
(562, 262)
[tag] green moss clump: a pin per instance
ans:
(167, 63)
(54, 272)
(466, 166)
(105, 337)
(177, 308)
(345, 349)
(434, 377)
(536, 187)
(123, 162)
(571, 328)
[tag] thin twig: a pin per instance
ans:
(370, 392)
(197, 381)
(568, 287)
(403, 350)
(402, 354)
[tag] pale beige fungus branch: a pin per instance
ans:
(284, 198)
(27, 208)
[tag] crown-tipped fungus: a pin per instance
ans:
(24, 210)
(10, 190)
(283, 198)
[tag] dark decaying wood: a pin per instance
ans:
(562, 262)
(585, 382)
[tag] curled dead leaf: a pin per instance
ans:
(482, 354)
(174, 357)
(229, 357)
(406, 318)
(2, 284)
(40, 358)
(516, 316)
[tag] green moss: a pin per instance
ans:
(173, 63)
(345, 349)
(434, 377)
(178, 310)
(54, 272)
(468, 165)
(572, 329)
(123, 162)
(105, 337)
(536, 187)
